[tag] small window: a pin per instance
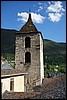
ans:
(27, 42)
(27, 57)
(12, 84)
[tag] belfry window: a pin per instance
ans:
(27, 42)
(27, 57)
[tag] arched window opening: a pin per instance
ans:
(27, 42)
(27, 57)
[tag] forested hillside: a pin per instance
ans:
(7, 41)
(54, 53)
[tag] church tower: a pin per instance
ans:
(29, 53)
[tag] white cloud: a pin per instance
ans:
(55, 11)
(45, 5)
(39, 3)
(49, 2)
(23, 15)
(54, 17)
(40, 8)
(37, 18)
(56, 6)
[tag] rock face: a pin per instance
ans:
(29, 54)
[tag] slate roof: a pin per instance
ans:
(28, 27)
(7, 69)
(11, 71)
(6, 65)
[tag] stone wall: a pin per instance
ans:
(34, 68)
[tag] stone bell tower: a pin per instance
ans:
(29, 53)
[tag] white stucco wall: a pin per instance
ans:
(41, 58)
(5, 84)
(18, 84)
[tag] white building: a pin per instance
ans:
(12, 81)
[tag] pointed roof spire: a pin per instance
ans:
(29, 26)
(29, 16)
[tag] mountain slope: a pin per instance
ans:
(54, 52)
(7, 41)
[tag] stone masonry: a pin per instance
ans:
(34, 68)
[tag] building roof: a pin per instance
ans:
(5, 65)
(7, 70)
(28, 27)
(10, 72)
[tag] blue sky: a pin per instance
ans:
(49, 17)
